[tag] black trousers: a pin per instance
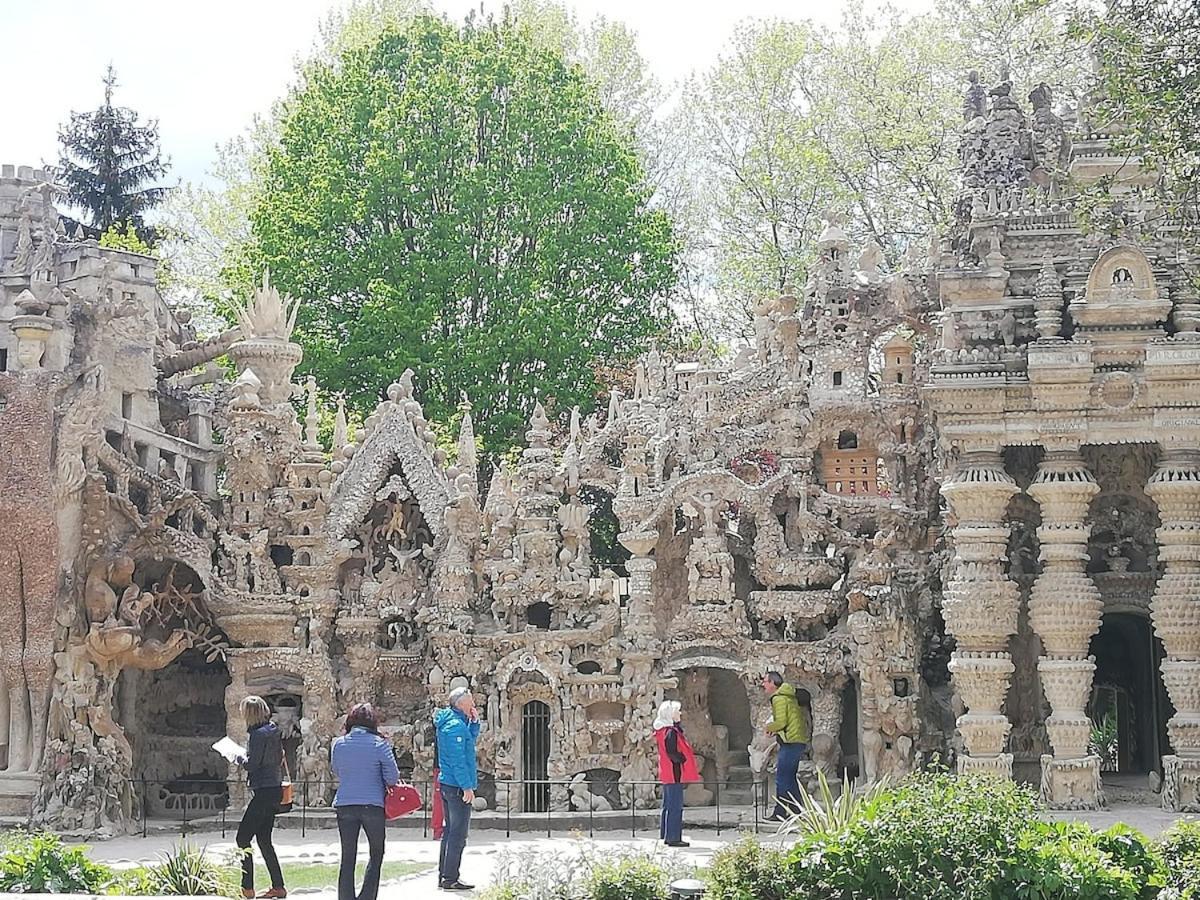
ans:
(257, 823)
(350, 820)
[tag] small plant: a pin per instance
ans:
(826, 814)
(185, 871)
(1070, 861)
(1105, 741)
(41, 864)
(633, 878)
(749, 871)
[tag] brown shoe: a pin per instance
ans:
(248, 893)
(274, 893)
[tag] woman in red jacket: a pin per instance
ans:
(676, 767)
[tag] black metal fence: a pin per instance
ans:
(200, 803)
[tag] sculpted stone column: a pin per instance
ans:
(1064, 610)
(980, 608)
(1175, 611)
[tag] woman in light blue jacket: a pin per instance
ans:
(365, 768)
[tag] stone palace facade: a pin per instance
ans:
(958, 503)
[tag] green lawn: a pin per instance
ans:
(298, 876)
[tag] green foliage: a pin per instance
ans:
(635, 878)
(1179, 848)
(458, 201)
(584, 872)
(749, 871)
(107, 161)
(1149, 100)
(1105, 741)
(41, 864)
(185, 870)
(827, 814)
(1070, 861)
(932, 836)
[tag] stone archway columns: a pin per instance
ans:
(1064, 610)
(980, 608)
(1175, 611)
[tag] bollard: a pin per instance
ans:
(685, 888)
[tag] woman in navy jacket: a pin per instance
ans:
(263, 761)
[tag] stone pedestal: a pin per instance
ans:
(1064, 610)
(1071, 783)
(980, 608)
(1181, 784)
(1175, 611)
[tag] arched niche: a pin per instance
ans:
(1121, 273)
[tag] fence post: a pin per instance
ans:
(426, 787)
(718, 807)
(183, 827)
(549, 804)
(225, 810)
(755, 795)
(633, 811)
(145, 801)
(508, 808)
(591, 817)
(304, 808)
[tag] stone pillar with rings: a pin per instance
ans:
(1064, 610)
(1175, 611)
(980, 608)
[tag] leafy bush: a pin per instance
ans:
(634, 878)
(932, 836)
(1070, 861)
(184, 871)
(584, 872)
(41, 864)
(1180, 851)
(749, 871)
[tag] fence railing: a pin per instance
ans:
(642, 801)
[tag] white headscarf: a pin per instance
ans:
(666, 714)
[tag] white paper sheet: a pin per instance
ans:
(230, 749)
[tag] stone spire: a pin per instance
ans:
(311, 419)
(1048, 301)
(341, 430)
(468, 461)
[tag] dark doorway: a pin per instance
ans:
(1128, 694)
(535, 755)
(848, 735)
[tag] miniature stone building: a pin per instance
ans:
(783, 511)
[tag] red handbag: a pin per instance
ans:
(401, 799)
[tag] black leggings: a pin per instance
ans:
(257, 822)
(370, 820)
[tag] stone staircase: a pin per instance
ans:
(738, 789)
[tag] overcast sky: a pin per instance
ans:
(204, 68)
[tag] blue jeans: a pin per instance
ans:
(457, 815)
(370, 820)
(787, 787)
(670, 825)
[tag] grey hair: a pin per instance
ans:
(457, 694)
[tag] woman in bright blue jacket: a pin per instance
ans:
(365, 767)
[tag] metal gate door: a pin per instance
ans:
(535, 755)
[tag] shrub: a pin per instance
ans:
(826, 814)
(634, 878)
(1179, 848)
(938, 837)
(749, 871)
(185, 870)
(584, 872)
(1070, 861)
(41, 864)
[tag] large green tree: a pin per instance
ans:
(110, 162)
(458, 201)
(1149, 94)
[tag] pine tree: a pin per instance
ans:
(108, 161)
